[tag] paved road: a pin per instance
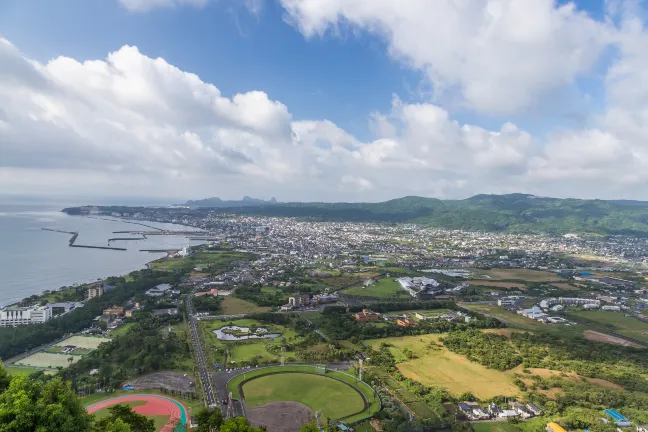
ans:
(203, 366)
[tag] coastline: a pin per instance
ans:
(26, 280)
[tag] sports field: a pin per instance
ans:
(166, 412)
(84, 341)
(48, 360)
(318, 392)
(386, 287)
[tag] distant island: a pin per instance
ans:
(216, 202)
(513, 213)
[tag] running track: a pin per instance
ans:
(155, 405)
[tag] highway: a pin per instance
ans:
(211, 395)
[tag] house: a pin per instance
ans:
(366, 315)
(115, 310)
(534, 409)
(406, 322)
(507, 414)
(643, 428)
(129, 312)
(521, 410)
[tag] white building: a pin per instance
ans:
(13, 316)
(611, 308)
(569, 301)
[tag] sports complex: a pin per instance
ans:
(283, 398)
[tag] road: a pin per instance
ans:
(203, 365)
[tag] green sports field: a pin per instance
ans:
(318, 392)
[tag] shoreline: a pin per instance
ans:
(82, 281)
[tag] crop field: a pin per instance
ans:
(490, 283)
(517, 274)
(234, 306)
(386, 287)
(614, 321)
(318, 392)
(84, 342)
(199, 259)
(48, 360)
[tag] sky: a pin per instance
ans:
(323, 100)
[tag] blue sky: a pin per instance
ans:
(343, 79)
(516, 101)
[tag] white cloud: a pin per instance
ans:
(134, 125)
(500, 56)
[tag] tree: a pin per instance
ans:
(103, 325)
(4, 378)
(29, 405)
(238, 424)
(123, 413)
(209, 419)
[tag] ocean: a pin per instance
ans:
(33, 260)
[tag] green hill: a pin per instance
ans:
(519, 213)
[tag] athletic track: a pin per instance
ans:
(155, 405)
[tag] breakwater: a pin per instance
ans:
(74, 237)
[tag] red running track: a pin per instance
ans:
(155, 405)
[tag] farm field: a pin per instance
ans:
(490, 283)
(318, 392)
(198, 260)
(516, 274)
(87, 342)
(386, 287)
(614, 321)
(48, 360)
(234, 306)
(494, 426)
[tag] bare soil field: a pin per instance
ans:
(601, 337)
(518, 274)
(518, 285)
(280, 416)
(168, 380)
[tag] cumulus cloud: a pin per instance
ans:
(132, 124)
(498, 56)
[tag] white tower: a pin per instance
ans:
(360, 375)
(317, 418)
(283, 355)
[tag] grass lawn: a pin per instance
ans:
(48, 360)
(248, 352)
(386, 287)
(22, 370)
(436, 366)
(335, 399)
(509, 318)
(123, 329)
(614, 321)
(199, 259)
(234, 306)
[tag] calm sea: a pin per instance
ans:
(33, 260)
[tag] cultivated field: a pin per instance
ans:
(386, 287)
(491, 283)
(48, 360)
(318, 392)
(84, 342)
(517, 274)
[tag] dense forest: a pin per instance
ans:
(16, 340)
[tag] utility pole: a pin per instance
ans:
(283, 355)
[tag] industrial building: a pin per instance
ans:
(366, 315)
(13, 316)
(568, 301)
